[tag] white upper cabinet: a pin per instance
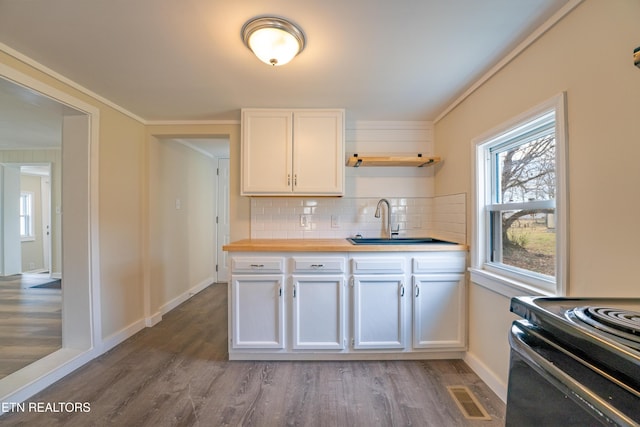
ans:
(292, 152)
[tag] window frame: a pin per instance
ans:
(512, 281)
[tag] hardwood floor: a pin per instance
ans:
(177, 374)
(30, 322)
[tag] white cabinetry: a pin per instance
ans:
(300, 305)
(292, 152)
(378, 303)
(256, 303)
(439, 301)
(318, 303)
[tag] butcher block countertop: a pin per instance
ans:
(330, 245)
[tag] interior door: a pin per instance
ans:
(222, 225)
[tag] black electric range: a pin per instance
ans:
(574, 362)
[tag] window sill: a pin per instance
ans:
(504, 286)
(27, 239)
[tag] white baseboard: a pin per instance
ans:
(153, 320)
(120, 336)
(487, 375)
(114, 339)
(164, 309)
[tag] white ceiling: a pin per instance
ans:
(184, 59)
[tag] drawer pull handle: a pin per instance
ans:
(257, 265)
(317, 265)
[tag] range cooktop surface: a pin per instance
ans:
(604, 331)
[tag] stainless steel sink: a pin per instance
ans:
(398, 241)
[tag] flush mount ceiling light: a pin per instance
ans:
(275, 41)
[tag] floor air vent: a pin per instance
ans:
(468, 403)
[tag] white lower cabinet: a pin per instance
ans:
(378, 311)
(257, 311)
(310, 305)
(318, 312)
(438, 311)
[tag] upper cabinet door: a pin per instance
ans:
(318, 152)
(292, 152)
(267, 140)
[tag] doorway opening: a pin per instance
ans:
(38, 122)
(189, 218)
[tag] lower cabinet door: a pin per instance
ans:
(318, 312)
(438, 311)
(258, 311)
(378, 312)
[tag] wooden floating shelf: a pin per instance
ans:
(413, 161)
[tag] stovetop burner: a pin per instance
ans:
(615, 321)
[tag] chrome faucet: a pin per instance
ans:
(377, 215)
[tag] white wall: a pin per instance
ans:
(409, 190)
(389, 138)
(589, 54)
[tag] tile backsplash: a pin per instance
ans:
(317, 218)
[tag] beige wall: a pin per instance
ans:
(121, 210)
(239, 207)
(589, 55)
(182, 213)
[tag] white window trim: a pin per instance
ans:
(493, 278)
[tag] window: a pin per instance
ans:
(520, 208)
(26, 216)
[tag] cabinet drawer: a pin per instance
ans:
(318, 265)
(384, 265)
(257, 265)
(440, 263)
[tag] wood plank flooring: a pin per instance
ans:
(30, 323)
(177, 374)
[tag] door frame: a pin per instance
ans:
(81, 298)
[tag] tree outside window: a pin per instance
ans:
(524, 174)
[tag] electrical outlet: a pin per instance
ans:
(335, 221)
(304, 220)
